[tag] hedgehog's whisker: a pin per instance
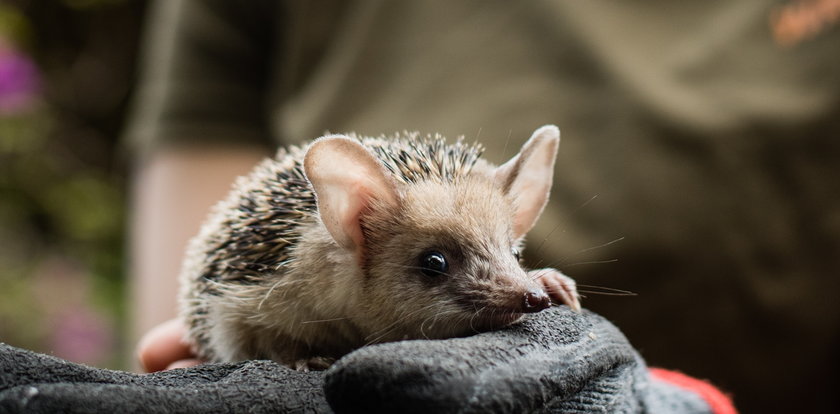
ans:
(598, 246)
(547, 236)
(590, 262)
(603, 290)
(539, 272)
(476, 313)
(282, 281)
(537, 251)
(393, 326)
(562, 261)
(434, 318)
(405, 266)
(585, 203)
(324, 320)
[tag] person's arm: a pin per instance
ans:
(172, 194)
(199, 120)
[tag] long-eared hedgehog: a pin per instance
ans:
(353, 240)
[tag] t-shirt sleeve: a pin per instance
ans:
(204, 75)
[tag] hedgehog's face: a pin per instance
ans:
(439, 256)
(447, 264)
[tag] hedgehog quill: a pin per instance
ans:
(351, 240)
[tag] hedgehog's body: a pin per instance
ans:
(320, 251)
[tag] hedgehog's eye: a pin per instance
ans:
(433, 264)
(516, 254)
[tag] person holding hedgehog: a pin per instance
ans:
(697, 153)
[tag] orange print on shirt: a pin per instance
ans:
(802, 19)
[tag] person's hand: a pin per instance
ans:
(163, 348)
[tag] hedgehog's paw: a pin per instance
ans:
(313, 364)
(560, 287)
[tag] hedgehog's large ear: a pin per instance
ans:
(346, 178)
(527, 177)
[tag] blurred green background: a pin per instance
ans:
(66, 72)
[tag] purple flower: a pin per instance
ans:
(81, 335)
(19, 81)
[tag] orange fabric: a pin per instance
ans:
(719, 402)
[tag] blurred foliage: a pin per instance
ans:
(62, 186)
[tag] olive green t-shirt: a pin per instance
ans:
(699, 163)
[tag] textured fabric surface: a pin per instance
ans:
(555, 361)
(37, 383)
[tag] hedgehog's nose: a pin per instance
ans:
(535, 301)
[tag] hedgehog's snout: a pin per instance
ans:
(534, 301)
(518, 294)
(529, 300)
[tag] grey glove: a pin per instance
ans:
(553, 361)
